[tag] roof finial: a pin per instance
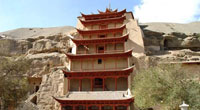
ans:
(109, 7)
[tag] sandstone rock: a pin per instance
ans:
(43, 62)
(191, 42)
(52, 85)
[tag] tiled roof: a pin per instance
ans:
(96, 95)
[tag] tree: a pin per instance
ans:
(13, 82)
(166, 86)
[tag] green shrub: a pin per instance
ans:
(166, 86)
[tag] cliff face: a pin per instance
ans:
(172, 42)
(46, 48)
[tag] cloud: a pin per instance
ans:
(179, 11)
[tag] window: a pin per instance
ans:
(121, 108)
(93, 108)
(99, 61)
(102, 36)
(107, 108)
(101, 49)
(36, 88)
(98, 82)
(67, 108)
(80, 107)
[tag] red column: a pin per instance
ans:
(116, 63)
(85, 49)
(81, 64)
(123, 46)
(70, 62)
(100, 107)
(127, 81)
(61, 106)
(86, 107)
(93, 64)
(104, 48)
(68, 84)
(80, 84)
(96, 48)
(127, 63)
(115, 83)
(103, 84)
(104, 62)
(113, 107)
(91, 84)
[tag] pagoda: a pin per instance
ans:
(98, 76)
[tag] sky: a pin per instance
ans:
(52, 13)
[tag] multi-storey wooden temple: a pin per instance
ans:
(99, 72)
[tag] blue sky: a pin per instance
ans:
(51, 13)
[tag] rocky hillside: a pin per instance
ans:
(171, 41)
(190, 28)
(46, 47)
(24, 33)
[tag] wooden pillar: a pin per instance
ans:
(80, 84)
(116, 62)
(86, 106)
(93, 64)
(127, 62)
(96, 48)
(100, 107)
(115, 47)
(114, 107)
(123, 46)
(68, 84)
(61, 107)
(103, 84)
(91, 84)
(104, 62)
(104, 48)
(127, 82)
(115, 83)
(70, 64)
(81, 64)
(85, 49)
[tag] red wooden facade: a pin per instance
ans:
(106, 40)
(102, 75)
(102, 31)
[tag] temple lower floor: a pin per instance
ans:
(96, 107)
(98, 100)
